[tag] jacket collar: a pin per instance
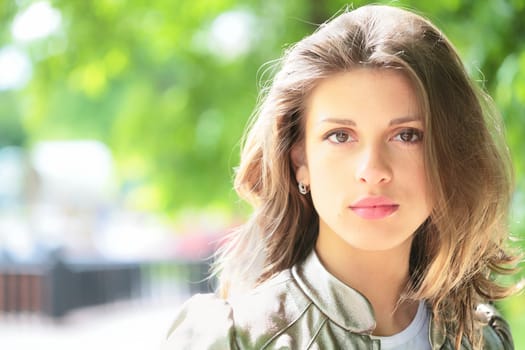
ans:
(341, 304)
(437, 333)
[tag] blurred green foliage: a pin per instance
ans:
(150, 79)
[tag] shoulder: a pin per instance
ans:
(245, 321)
(496, 331)
(496, 334)
(203, 322)
(264, 313)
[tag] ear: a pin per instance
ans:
(300, 166)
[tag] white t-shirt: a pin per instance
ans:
(414, 337)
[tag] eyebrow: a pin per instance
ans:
(347, 121)
(404, 120)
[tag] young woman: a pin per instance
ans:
(380, 188)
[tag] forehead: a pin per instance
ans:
(363, 93)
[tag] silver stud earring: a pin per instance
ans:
(303, 189)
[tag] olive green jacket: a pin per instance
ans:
(301, 308)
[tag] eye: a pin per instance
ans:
(409, 135)
(339, 136)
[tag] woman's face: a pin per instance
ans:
(363, 159)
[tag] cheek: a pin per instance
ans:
(414, 177)
(329, 179)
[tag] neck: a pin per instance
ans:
(381, 276)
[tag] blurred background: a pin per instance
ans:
(120, 123)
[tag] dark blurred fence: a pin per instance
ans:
(57, 287)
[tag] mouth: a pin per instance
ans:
(374, 208)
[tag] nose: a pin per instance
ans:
(373, 167)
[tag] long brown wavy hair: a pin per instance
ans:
(460, 248)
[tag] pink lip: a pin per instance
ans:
(373, 208)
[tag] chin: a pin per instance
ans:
(375, 241)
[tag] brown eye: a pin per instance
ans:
(409, 136)
(339, 137)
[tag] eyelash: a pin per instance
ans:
(412, 132)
